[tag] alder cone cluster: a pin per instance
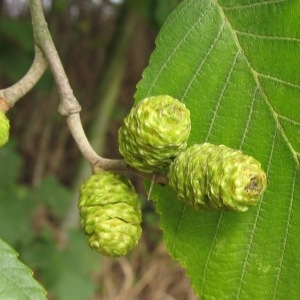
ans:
(154, 139)
(110, 213)
(210, 176)
(155, 131)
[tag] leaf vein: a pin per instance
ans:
(288, 224)
(279, 126)
(221, 95)
(289, 120)
(256, 75)
(211, 251)
(163, 66)
(268, 37)
(253, 5)
(283, 82)
(177, 228)
(249, 248)
(17, 282)
(204, 59)
(249, 118)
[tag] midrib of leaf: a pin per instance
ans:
(256, 74)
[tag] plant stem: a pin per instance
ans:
(13, 93)
(42, 37)
(107, 93)
(69, 105)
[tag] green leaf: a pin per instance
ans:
(235, 63)
(16, 280)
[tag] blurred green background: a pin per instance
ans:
(104, 47)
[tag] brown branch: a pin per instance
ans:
(69, 105)
(43, 39)
(13, 93)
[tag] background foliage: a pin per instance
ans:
(30, 222)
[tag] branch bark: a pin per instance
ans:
(43, 39)
(13, 93)
(69, 105)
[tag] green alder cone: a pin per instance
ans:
(155, 131)
(208, 176)
(4, 129)
(110, 213)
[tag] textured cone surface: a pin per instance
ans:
(208, 176)
(110, 213)
(154, 132)
(4, 129)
